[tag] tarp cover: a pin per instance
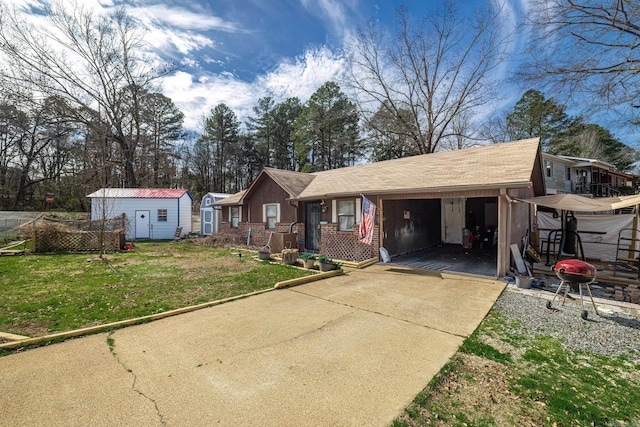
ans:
(599, 233)
(575, 203)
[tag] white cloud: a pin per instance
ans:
(305, 74)
(196, 95)
(166, 15)
(334, 12)
(184, 41)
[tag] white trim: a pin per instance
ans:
(334, 211)
(264, 212)
(239, 215)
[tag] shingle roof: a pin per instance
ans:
(491, 166)
(233, 199)
(291, 182)
(139, 193)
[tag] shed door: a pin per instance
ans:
(312, 227)
(452, 220)
(207, 222)
(142, 224)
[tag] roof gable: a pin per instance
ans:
(292, 183)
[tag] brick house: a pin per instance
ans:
(422, 201)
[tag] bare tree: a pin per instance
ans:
(495, 130)
(96, 63)
(437, 69)
(587, 47)
(459, 135)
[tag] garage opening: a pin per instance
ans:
(449, 234)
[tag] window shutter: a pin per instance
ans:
(239, 214)
(229, 216)
(358, 211)
(264, 213)
(334, 211)
(278, 212)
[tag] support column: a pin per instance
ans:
(504, 231)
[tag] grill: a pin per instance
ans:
(574, 273)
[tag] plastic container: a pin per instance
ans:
(523, 282)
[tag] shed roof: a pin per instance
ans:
(139, 193)
(492, 166)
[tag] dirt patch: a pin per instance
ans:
(30, 328)
(475, 392)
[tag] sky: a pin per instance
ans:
(236, 51)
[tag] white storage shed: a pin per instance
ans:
(152, 213)
(210, 216)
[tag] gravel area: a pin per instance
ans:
(612, 333)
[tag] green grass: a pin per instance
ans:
(549, 384)
(578, 387)
(41, 294)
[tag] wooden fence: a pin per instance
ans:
(77, 241)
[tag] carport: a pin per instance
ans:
(447, 234)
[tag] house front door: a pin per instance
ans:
(142, 224)
(452, 220)
(312, 227)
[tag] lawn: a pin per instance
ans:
(42, 294)
(502, 378)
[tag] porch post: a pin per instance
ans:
(380, 225)
(504, 231)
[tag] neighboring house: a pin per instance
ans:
(589, 177)
(422, 201)
(210, 216)
(152, 213)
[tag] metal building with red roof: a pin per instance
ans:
(152, 213)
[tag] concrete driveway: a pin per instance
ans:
(346, 351)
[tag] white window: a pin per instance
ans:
(234, 216)
(549, 168)
(271, 215)
(162, 215)
(346, 215)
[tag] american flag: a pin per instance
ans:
(367, 221)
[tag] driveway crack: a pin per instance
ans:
(378, 313)
(112, 345)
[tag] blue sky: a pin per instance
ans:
(236, 51)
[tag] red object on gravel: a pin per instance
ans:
(575, 271)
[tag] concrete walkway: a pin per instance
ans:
(346, 351)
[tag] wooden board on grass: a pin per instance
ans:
(522, 268)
